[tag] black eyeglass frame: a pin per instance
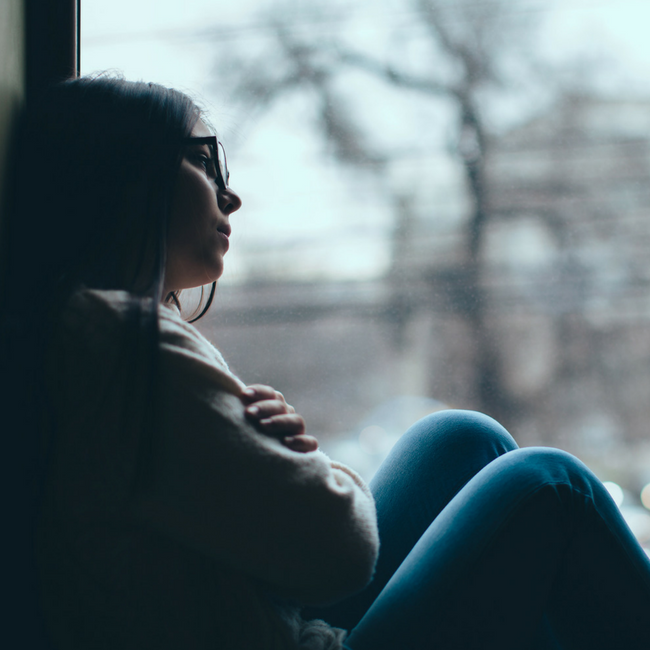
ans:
(219, 154)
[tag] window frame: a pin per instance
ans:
(52, 43)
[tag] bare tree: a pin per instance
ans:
(472, 47)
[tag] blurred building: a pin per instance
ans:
(569, 274)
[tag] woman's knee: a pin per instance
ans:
(546, 466)
(448, 447)
(464, 431)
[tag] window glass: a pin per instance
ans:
(445, 205)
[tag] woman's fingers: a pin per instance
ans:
(289, 428)
(257, 392)
(260, 392)
(289, 424)
(275, 418)
(267, 408)
(302, 444)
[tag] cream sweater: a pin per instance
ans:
(229, 531)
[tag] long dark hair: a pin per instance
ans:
(94, 165)
(97, 159)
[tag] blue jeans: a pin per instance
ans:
(485, 546)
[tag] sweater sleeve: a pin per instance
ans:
(301, 524)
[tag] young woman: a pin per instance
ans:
(162, 503)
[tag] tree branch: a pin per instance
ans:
(393, 76)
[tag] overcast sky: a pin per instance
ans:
(151, 41)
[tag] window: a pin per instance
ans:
(445, 204)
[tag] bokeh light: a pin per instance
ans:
(645, 496)
(372, 439)
(615, 491)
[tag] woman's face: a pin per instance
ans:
(199, 227)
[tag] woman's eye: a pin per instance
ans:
(207, 164)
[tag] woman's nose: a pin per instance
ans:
(228, 200)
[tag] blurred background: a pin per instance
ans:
(446, 204)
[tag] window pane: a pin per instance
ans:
(441, 208)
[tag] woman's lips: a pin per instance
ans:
(225, 228)
(223, 236)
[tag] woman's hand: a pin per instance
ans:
(268, 410)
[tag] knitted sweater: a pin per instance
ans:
(202, 533)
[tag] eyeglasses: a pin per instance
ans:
(222, 175)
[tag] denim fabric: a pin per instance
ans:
(484, 545)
